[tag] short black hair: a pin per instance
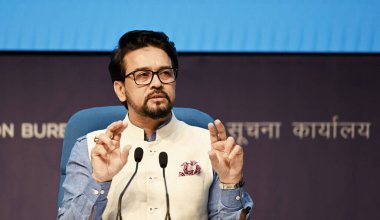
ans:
(137, 39)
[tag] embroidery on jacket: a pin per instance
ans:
(189, 168)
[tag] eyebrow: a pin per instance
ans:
(146, 68)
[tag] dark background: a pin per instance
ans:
(288, 178)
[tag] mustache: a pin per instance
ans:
(157, 92)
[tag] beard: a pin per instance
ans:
(158, 110)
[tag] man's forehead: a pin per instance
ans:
(146, 57)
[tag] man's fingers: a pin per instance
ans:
(224, 146)
(229, 144)
(214, 159)
(110, 139)
(217, 131)
(213, 132)
(236, 151)
(219, 146)
(221, 130)
(117, 134)
(115, 129)
(99, 151)
(106, 142)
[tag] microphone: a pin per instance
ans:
(138, 157)
(163, 159)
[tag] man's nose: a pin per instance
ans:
(156, 83)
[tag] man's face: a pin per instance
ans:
(156, 99)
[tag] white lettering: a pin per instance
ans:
(52, 130)
(347, 129)
(44, 130)
(39, 134)
(62, 127)
(7, 130)
(26, 130)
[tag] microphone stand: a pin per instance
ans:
(138, 157)
(118, 216)
(163, 159)
(167, 217)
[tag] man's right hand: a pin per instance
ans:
(106, 157)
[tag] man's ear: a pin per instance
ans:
(119, 88)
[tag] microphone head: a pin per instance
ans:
(139, 152)
(163, 158)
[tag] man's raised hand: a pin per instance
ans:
(107, 158)
(225, 155)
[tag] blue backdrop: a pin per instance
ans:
(200, 26)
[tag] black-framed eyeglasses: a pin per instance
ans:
(145, 77)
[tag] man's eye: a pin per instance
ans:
(142, 74)
(167, 73)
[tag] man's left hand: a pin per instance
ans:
(225, 155)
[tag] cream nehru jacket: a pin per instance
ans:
(189, 173)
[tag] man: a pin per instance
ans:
(204, 172)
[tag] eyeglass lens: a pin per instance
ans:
(143, 77)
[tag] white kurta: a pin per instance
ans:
(145, 197)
